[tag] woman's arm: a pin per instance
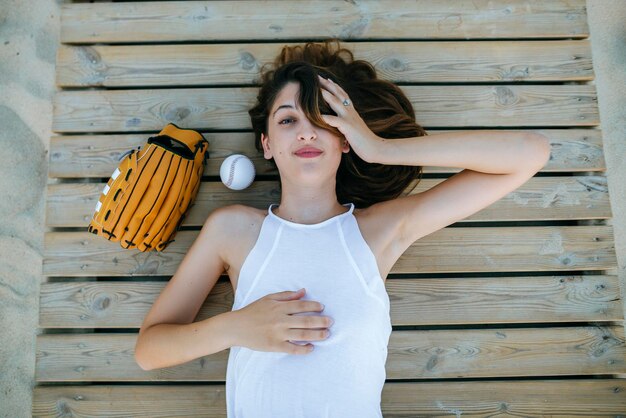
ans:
(168, 335)
(494, 152)
(165, 345)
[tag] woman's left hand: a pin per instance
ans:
(348, 121)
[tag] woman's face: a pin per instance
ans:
(289, 130)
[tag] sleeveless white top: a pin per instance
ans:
(344, 375)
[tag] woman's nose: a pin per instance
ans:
(307, 134)
(307, 130)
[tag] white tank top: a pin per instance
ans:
(344, 375)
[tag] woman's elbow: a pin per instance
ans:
(141, 365)
(543, 149)
(139, 357)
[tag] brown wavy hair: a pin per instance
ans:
(382, 105)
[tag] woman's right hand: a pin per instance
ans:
(268, 324)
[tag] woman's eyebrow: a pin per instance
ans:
(280, 107)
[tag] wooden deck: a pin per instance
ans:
(516, 310)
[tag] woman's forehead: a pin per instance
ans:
(286, 99)
(288, 92)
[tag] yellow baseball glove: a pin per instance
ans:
(146, 199)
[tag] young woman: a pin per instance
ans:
(310, 324)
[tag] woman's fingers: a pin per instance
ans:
(331, 99)
(336, 94)
(332, 86)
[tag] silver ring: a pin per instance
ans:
(346, 102)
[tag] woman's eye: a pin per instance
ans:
(281, 122)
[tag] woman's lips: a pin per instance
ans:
(309, 154)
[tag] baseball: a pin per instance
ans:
(237, 172)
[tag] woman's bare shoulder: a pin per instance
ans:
(237, 218)
(239, 225)
(248, 211)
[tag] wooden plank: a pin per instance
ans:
(431, 354)
(458, 250)
(540, 198)
(98, 155)
(202, 401)
(448, 250)
(227, 108)
(399, 62)
(572, 397)
(277, 20)
(576, 397)
(454, 301)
